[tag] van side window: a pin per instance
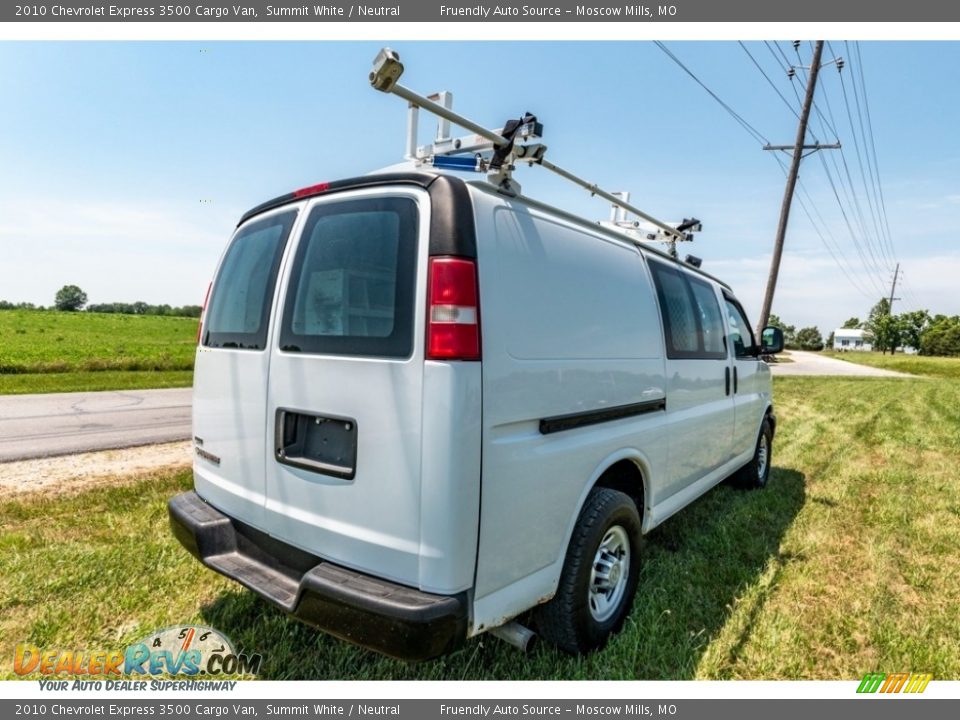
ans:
(353, 279)
(692, 323)
(740, 332)
(243, 290)
(711, 321)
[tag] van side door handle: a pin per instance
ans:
(726, 380)
(734, 379)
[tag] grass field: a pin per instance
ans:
(89, 381)
(945, 367)
(62, 352)
(846, 563)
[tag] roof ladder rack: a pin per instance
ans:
(495, 152)
(642, 232)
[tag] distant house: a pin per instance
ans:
(851, 339)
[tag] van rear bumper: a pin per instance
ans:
(392, 619)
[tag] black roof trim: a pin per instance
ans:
(452, 230)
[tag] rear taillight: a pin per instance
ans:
(203, 313)
(453, 310)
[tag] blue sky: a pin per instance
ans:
(124, 166)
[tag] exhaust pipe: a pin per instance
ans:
(522, 638)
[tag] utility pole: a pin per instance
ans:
(893, 289)
(798, 148)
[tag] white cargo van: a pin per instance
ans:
(423, 407)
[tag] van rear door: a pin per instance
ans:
(231, 369)
(344, 405)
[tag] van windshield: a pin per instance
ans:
(239, 309)
(352, 282)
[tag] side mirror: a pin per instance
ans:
(771, 340)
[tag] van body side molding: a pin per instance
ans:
(559, 423)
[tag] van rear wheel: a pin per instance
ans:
(599, 577)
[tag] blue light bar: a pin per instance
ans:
(455, 163)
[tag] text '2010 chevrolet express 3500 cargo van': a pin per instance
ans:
(425, 405)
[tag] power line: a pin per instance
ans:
(843, 212)
(733, 113)
(792, 73)
(853, 236)
(907, 289)
(769, 81)
(873, 149)
(833, 159)
(856, 201)
(786, 60)
(783, 67)
(874, 209)
(870, 265)
(806, 210)
(805, 199)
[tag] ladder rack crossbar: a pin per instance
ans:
(440, 111)
(613, 199)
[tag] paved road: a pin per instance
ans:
(808, 363)
(33, 426)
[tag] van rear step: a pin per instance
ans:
(392, 619)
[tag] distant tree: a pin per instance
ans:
(188, 311)
(852, 324)
(142, 308)
(886, 330)
(809, 338)
(942, 336)
(7, 305)
(912, 326)
(70, 298)
(829, 342)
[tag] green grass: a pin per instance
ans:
(942, 367)
(50, 351)
(90, 381)
(59, 342)
(846, 563)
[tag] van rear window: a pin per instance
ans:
(352, 282)
(239, 309)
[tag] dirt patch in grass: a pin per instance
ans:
(76, 473)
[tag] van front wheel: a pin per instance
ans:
(756, 473)
(599, 577)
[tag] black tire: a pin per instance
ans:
(572, 620)
(756, 473)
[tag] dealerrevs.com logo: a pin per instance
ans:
(894, 682)
(191, 650)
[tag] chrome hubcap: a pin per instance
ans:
(609, 574)
(762, 453)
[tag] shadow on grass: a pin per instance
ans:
(696, 567)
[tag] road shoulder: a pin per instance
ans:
(75, 473)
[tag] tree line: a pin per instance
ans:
(927, 334)
(71, 298)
